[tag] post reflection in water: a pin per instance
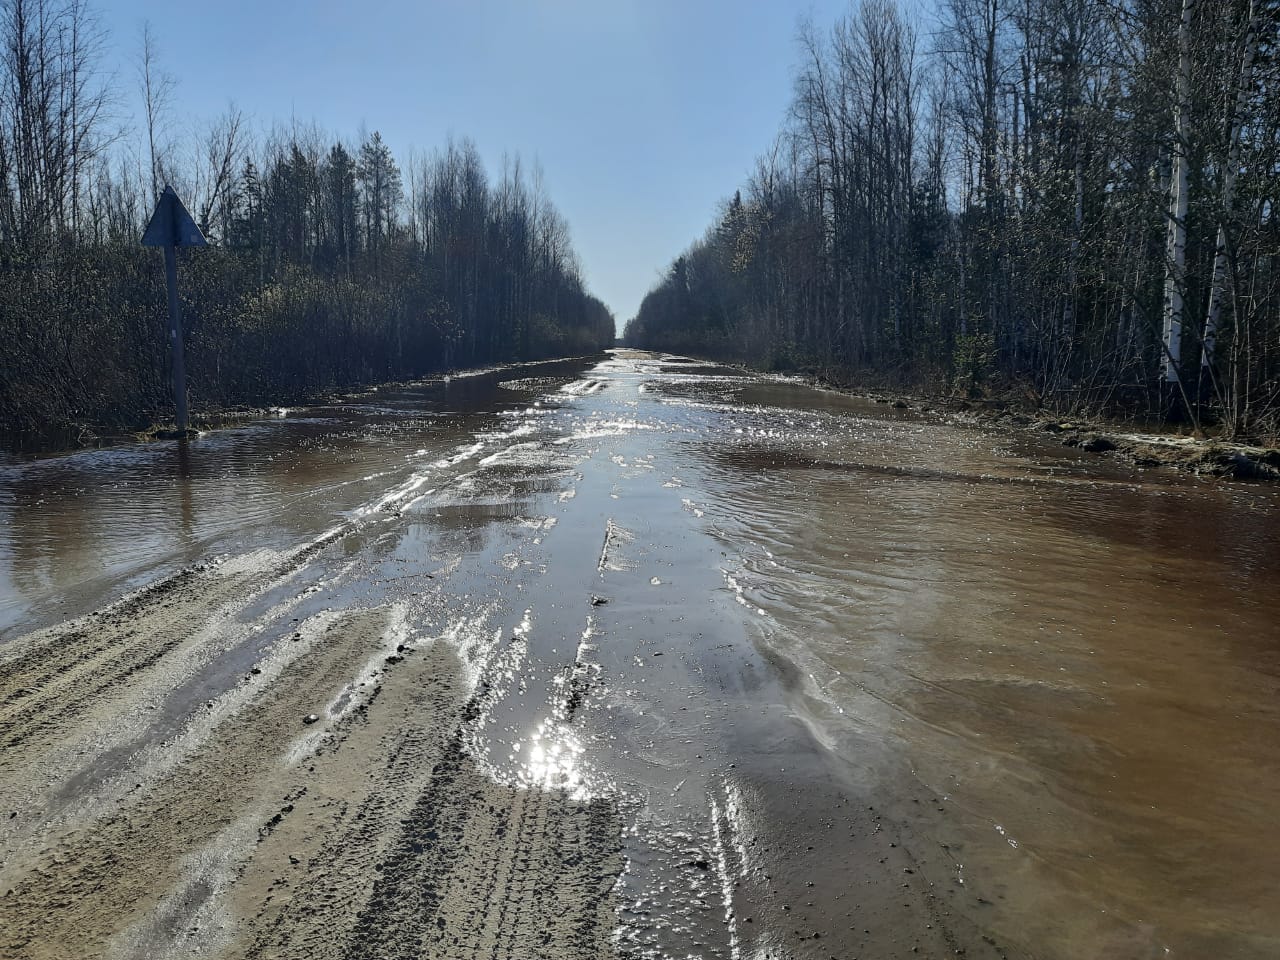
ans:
(183, 480)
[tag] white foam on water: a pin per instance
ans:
(539, 523)
(517, 455)
(595, 429)
(474, 640)
(726, 882)
(583, 388)
(732, 583)
(462, 453)
(393, 496)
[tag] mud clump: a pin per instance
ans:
(1097, 443)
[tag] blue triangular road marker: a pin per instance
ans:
(171, 224)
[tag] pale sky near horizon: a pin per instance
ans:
(644, 114)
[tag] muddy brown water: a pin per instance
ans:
(634, 656)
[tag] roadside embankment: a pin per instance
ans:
(1208, 456)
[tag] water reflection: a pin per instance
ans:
(182, 476)
(553, 760)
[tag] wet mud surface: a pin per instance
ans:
(635, 658)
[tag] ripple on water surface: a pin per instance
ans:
(1078, 659)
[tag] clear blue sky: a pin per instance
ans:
(643, 113)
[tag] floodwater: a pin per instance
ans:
(843, 680)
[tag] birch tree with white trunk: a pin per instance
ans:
(1217, 289)
(1176, 244)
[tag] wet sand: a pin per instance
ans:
(643, 658)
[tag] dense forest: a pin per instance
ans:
(329, 264)
(1074, 201)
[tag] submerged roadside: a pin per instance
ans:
(145, 426)
(1143, 447)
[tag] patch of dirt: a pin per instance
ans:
(1211, 457)
(66, 689)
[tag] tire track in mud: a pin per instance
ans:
(377, 835)
(91, 882)
(436, 854)
(361, 788)
(439, 859)
(77, 671)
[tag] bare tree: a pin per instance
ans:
(157, 89)
(220, 157)
(1176, 242)
(1236, 115)
(52, 109)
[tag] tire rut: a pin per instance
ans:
(91, 883)
(489, 870)
(74, 672)
(436, 858)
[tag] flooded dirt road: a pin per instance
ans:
(636, 658)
